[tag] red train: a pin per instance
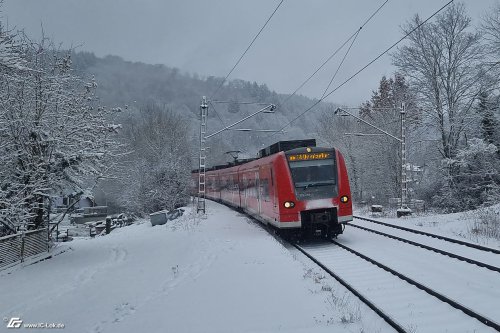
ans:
(293, 185)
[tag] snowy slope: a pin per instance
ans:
(219, 274)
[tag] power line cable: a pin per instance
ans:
(366, 66)
(353, 35)
(239, 60)
(236, 102)
(341, 63)
(217, 113)
(248, 48)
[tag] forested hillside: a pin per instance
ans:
(127, 133)
(134, 85)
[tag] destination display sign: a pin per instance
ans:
(309, 156)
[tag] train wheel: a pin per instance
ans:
(334, 231)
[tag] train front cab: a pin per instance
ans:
(318, 197)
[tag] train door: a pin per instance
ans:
(273, 195)
(231, 189)
(257, 190)
(245, 191)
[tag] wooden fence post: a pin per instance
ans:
(22, 246)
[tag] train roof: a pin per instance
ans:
(284, 146)
(304, 150)
(228, 165)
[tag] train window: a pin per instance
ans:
(313, 173)
(264, 189)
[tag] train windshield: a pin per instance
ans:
(313, 173)
(314, 179)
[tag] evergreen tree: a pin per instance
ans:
(233, 107)
(489, 124)
(383, 111)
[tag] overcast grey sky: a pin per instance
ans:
(207, 37)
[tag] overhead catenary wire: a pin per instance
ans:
(237, 62)
(341, 63)
(353, 35)
(217, 113)
(236, 102)
(366, 66)
(248, 48)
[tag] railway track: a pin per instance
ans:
(394, 295)
(400, 297)
(437, 248)
(448, 239)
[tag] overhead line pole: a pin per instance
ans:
(271, 108)
(200, 203)
(403, 184)
(367, 123)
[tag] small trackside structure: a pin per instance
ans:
(163, 216)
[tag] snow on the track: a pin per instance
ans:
(410, 307)
(472, 286)
(458, 249)
(219, 274)
(457, 225)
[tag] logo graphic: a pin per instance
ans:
(14, 322)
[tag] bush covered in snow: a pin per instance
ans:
(156, 173)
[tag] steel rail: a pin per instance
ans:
(430, 248)
(486, 321)
(372, 306)
(456, 241)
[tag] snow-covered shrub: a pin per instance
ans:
(156, 174)
(486, 223)
(472, 178)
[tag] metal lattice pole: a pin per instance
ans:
(404, 183)
(203, 156)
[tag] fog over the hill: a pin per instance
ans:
(207, 37)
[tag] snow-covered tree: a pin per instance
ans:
(10, 51)
(233, 106)
(156, 173)
(55, 139)
(478, 179)
(384, 111)
(373, 158)
(331, 129)
(491, 31)
(487, 107)
(442, 63)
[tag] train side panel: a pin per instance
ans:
(287, 218)
(296, 189)
(257, 189)
(345, 208)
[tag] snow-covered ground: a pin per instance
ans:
(219, 274)
(458, 225)
(222, 273)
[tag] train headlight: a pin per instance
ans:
(289, 204)
(344, 199)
